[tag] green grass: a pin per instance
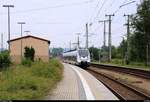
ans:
(119, 62)
(28, 83)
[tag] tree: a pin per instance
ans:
(57, 52)
(32, 53)
(105, 50)
(29, 53)
(122, 49)
(141, 32)
(114, 52)
(94, 52)
(4, 59)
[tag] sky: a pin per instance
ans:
(60, 20)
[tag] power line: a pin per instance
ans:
(100, 9)
(57, 6)
(96, 28)
(99, 12)
(95, 9)
(55, 23)
(123, 4)
(120, 6)
(113, 1)
(124, 1)
(127, 3)
(105, 9)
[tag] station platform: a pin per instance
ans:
(78, 84)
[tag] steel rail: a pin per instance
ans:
(129, 88)
(127, 70)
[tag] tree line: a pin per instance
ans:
(139, 39)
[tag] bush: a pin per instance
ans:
(47, 70)
(29, 53)
(4, 59)
(26, 62)
(117, 61)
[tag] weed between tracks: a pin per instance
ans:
(21, 83)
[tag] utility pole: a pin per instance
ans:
(8, 6)
(128, 37)
(70, 45)
(99, 55)
(92, 55)
(109, 37)
(75, 45)
(104, 45)
(147, 55)
(122, 53)
(2, 42)
(87, 36)
(21, 23)
(104, 21)
(27, 32)
(78, 40)
(104, 33)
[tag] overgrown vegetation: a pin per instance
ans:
(24, 83)
(26, 62)
(4, 59)
(121, 62)
(139, 41)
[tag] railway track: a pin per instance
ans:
(120, 89)
(131, 71)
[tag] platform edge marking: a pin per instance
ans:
(86, 87)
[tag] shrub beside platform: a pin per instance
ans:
(19, 82)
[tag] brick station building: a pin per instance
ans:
(41, 47)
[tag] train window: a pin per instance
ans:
(83, 53)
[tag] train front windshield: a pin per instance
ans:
(83, 53)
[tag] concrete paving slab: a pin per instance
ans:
(78, 84)
(98, 89)
(68, 88)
